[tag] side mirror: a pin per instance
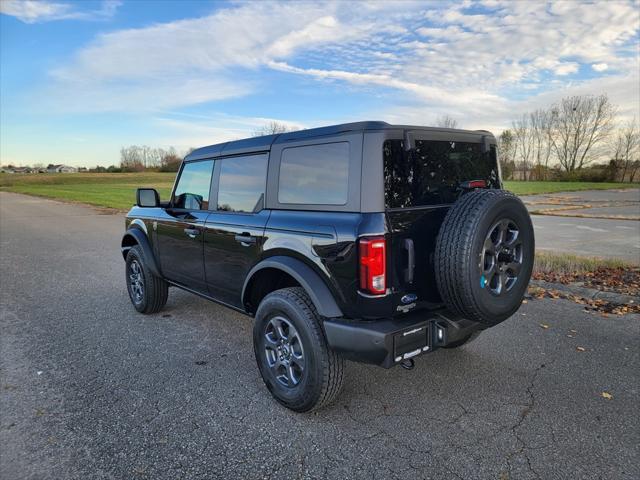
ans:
(147, 197)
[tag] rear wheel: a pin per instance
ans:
(484, 256)
(148, 293)
(296, 364)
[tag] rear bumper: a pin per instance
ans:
(388, 342)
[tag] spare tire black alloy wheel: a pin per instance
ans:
(484, 256)
(501, 257)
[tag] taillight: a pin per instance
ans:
(471, 184)
(373, 265)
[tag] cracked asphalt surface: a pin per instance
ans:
(91, 389)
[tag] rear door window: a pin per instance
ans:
(192, 190)
(314, 174)
(242, 183)
(432, 173)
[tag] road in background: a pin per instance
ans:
(588, 236)
(614, 237)
(92, 389)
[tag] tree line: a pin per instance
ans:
(138, 158)
(564, 141)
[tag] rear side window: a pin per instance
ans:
(432, 173)
(242, 183)
(315, 174)
(192, 190)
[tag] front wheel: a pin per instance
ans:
(297, 366)
(148, 293)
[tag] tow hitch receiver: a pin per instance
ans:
(411, 342)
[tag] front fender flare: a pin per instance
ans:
(140, 238)
(315, 287)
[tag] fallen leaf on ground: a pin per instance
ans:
(590, 305)
(607, 395)
(624, 280)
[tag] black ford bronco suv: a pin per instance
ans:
(364, 241)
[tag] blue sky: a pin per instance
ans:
(78, 80)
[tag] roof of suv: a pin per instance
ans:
(263, 143)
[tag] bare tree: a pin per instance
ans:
(581, 124)
(506, 153)
(524, 144)
(131, 158)
(626, 148)
(446, 121)
(540, 122)
(272, 128)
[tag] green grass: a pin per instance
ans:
(535, 188)
(117, 190)
(111, 190)
(566, 263)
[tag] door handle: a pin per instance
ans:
(192, 232)
(411, 260)
(246, 239)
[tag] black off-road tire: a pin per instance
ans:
(459, 261)
(321, 380)
(155, 289)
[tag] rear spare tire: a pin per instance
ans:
(484, 256)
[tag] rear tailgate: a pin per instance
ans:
(420, 185)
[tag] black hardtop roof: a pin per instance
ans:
(264, 143)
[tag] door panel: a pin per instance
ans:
(180, 230)
(232, 245)
(234, 233)
(180, 236)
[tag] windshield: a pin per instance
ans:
(431, 173)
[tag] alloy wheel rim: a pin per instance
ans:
(501, 258)
(284, 352)
(136, 281)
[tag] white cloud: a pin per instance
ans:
(454, 61)
(35, 11)
(197, 130)
(566, 68)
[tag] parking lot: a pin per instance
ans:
(90, 388)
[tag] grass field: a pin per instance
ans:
(535, 188)
(111, 190)
(117, 190)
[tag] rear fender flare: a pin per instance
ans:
(315, 287)
(141, 239)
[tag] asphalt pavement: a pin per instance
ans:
(590, 237)
(575, 222)
(92, 389)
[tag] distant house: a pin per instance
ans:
(61, 169)
(20, 170)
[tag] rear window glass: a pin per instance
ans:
(242, 183)
(315, 174)
(431, 174)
